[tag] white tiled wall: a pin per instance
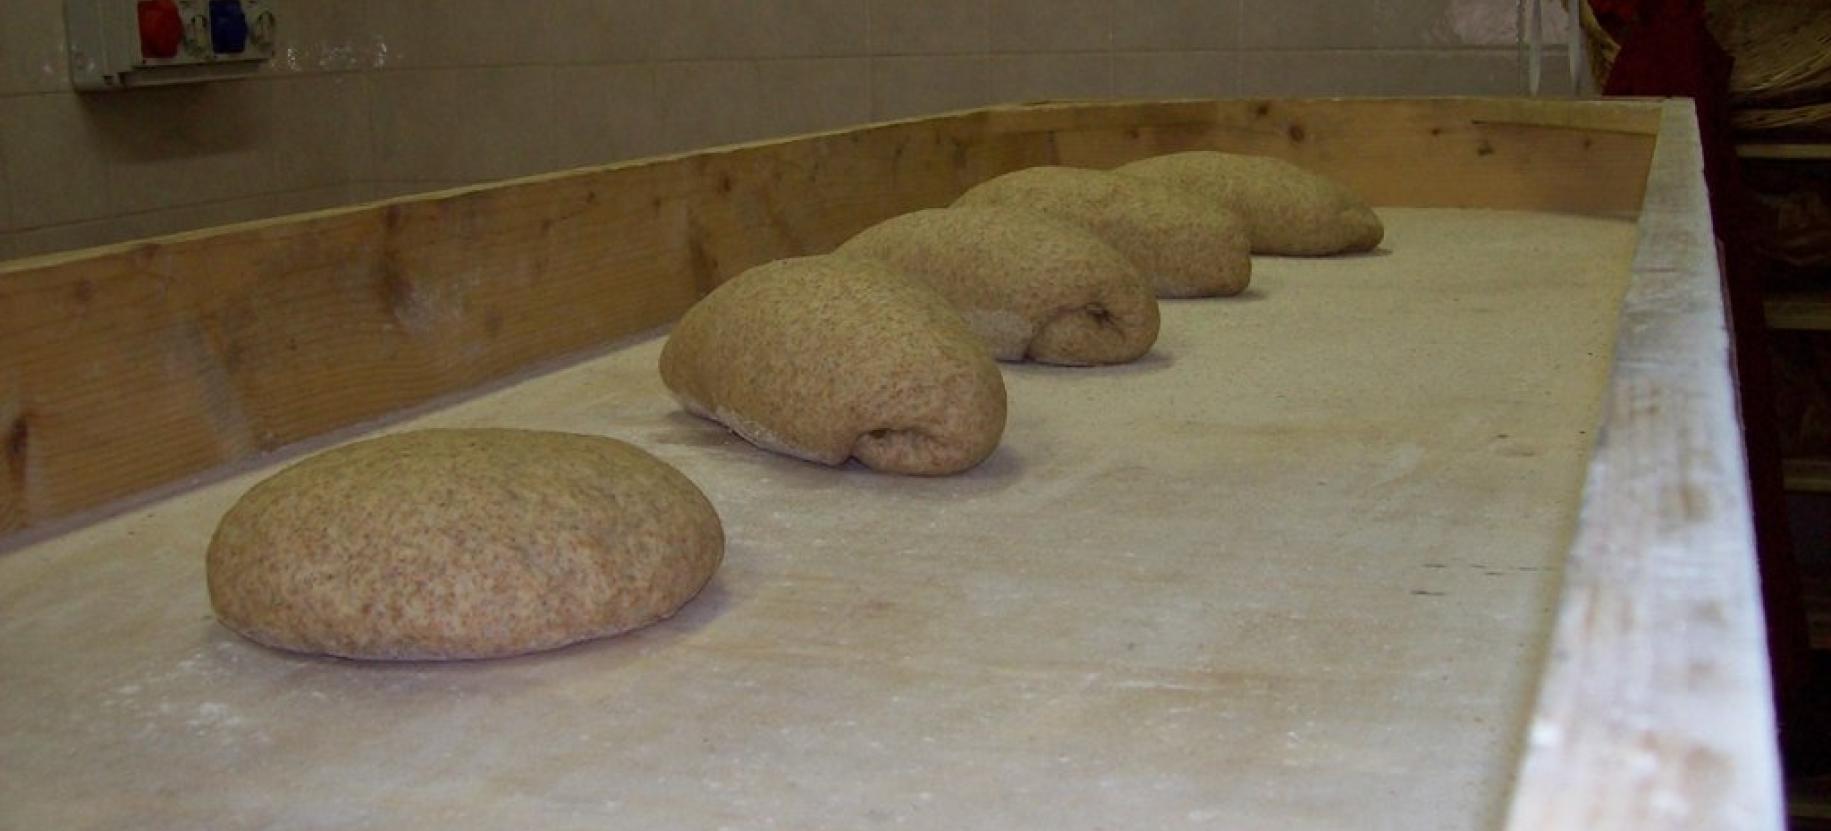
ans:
(379, 97)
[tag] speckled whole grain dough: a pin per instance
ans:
(451, 544)
(1184, 246)
(1030, 285)
(831, 358)
(1288, 210)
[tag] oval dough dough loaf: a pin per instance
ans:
(1288, 210)
(826, 358)
(1031, 286)
(445, 544)
(1182, 245)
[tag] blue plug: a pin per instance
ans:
(228, 27)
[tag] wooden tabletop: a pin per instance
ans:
(1295, 569)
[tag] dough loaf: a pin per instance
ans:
(829, 358)
(1184, 246)
(1288, 210)
(1031, 286)
(445, 544)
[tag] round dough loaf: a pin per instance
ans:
(1182, 245)
(450, 544)
(828, 358)
(1031, 286)
(1288, 210)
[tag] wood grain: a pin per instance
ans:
(132, 366)
(149, 362)
(1493, 153)
(1655, 711)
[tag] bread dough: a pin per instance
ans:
(828, 358)
(1288, 210)
(1182, 244)
(444, 544)
(1031, 286)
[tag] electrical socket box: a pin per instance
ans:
(118, 44)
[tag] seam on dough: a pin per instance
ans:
(1008, 333)
(692, 406)
(767, 439)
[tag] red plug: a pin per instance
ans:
(161, 29)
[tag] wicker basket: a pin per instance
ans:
(1810, 118)
(1802, 227)
(1782, 51)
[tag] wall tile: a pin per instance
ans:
(706, 103)
(352, 193)
(172, 220)
(56, 238)
(901, 27)
(477, 90)
(243, 209)
(1039, 77)
(377, 191)
(246, 209)
(33, 55)
(1555, 78)
(6, 190)
(171, 146)
(1176, 74)
(56, 168)
(804, 96)
(1054, 26)
(329, 36)
(1556, 23)
(1466, 72)
(604, 114)
(730, 29)
(818, 28)
(450, 33)
(1176, 24)
(604, 31)
(320, 130)
(908, 86)
(1331, 24)
(462, 124)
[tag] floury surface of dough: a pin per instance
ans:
(1288, 210)
(1184, 246)
(831, 358)
(1031, 285)
(471, 543)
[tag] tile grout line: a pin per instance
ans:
(363, 176)
(1112, 48)
(6, 191)
(146, 212)
(1454, 49)
(870, 64)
